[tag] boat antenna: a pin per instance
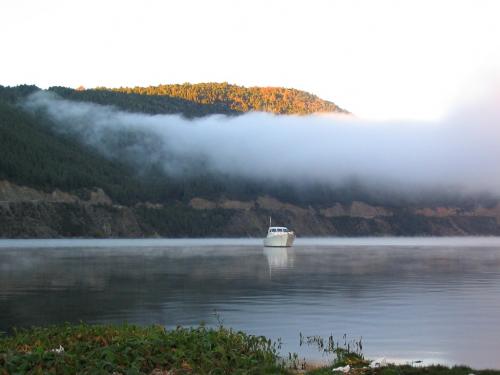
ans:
(270, 221)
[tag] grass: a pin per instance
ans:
(129, 350)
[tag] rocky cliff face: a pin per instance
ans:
(359, 219)
(26, 212)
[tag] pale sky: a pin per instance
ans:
(379, 59)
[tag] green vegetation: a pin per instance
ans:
(33, 155)
(12, 95)
(152, 104)
(154, 350)
(127, 349)
(181, 221)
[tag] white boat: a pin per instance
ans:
(279, 237)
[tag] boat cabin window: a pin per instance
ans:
(278, 229)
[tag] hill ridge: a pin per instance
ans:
(279, 100)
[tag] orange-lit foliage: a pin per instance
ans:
(242, 99)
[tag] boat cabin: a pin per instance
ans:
(278, 229)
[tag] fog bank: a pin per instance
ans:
(459, 152)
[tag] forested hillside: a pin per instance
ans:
(152, 104)
(241, 99)
(52, 184)
(34, 155)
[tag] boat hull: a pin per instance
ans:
(282, 240)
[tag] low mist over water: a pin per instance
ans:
(410, 299)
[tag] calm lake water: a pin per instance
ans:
(436, 300)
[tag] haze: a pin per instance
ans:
(458, 153)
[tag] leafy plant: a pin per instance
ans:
(129, 349)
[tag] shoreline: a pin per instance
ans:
(155, 350)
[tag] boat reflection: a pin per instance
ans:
(279, 258)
